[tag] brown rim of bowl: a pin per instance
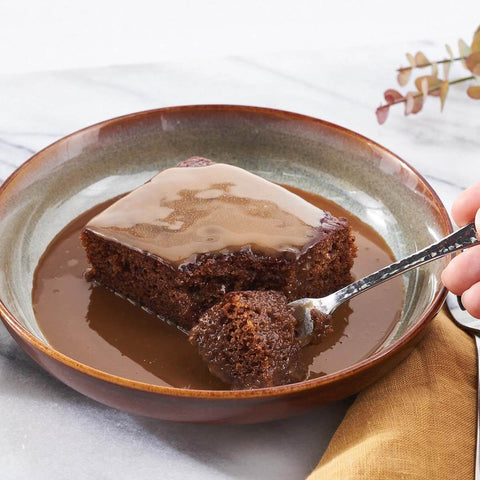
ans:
(376, 358)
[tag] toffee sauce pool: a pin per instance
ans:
(98, 328)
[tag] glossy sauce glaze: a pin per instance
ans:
(183, 212)
(101, 329)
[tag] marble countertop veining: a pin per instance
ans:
(50, 431)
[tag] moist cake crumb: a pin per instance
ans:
(322, 326)
(248, 340)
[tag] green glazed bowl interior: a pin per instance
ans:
(113, 157)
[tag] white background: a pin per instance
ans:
(59, 34)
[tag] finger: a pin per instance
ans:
(463, 271)
(471, 300)
(466, 205)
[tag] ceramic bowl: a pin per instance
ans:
(112, 157)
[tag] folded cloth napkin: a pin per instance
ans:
(418, 422)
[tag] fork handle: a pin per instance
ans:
(464, 238)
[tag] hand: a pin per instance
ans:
(462, 275)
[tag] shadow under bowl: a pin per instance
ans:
(113, 157)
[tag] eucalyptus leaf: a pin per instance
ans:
(404, 76)
(392, 96)
(446, 69)
(464, 50)
(473, 62)
(443, 93)
(421, 60)
(410, 103)
(450, 51)
(411, 59)
(433, 84)
(382, 114)
(476, 41)
(474, 92)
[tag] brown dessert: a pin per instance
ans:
(248, 340)
(181, 241)
(92, 325)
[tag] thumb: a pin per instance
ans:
(477, 223)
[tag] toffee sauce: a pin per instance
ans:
(98, 328)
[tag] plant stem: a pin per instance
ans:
(430, 90)
(464, 79)
(445, 60)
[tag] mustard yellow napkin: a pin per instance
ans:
(418, 422)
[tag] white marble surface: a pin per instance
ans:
(48, 430)
(54, 34)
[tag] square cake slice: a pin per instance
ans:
(177, 244)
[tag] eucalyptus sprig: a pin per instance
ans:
(432, 84)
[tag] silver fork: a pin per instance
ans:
(464, 238)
